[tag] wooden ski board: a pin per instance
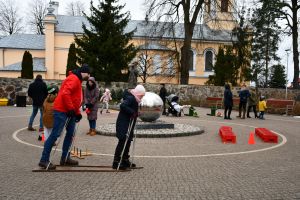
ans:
(80, 169)
(97, 166)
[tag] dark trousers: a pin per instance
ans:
(242, 107)
(254, 110)
(164, 106)
(261, 115)
(227, 111)
(120, 147)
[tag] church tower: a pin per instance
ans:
(220, 14)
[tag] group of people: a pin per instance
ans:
(248, 100)
(60, 109)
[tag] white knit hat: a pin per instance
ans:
(140, 90)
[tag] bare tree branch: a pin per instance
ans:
(75, 8)
(38, 10)
(10, 21)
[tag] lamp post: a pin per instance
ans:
(287, 70)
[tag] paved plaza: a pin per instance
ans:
(190, 167)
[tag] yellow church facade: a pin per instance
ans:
(50, 51)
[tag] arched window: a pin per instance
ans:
(224, 5)
(191, 59)
(208, 60)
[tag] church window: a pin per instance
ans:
(208, 60)
(224, 5)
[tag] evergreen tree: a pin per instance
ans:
(224, 68)
(72, 59)
(105, 46)
(242, 47)
(278, 76)
(265, 41)
(27, 66)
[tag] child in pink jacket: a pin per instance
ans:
(106, 97)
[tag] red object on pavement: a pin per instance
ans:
(266, 135)
(227, 135)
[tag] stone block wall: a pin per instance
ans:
(188, 94)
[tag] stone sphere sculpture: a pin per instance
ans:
(151, 107)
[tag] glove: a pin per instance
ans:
(71, 113)
(78, 118)
(89, 105)
(134, 115)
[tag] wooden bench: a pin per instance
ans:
(266, 135)
(226, 134)
(216, 102)
(280, 106)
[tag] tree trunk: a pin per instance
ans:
(185, 61)
(295, 45)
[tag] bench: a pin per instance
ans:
(216, 102)
(280, 106)
(266, 135)
(226, 134)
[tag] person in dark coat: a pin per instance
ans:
(38, 92)
(244, 94)
(66, 114)
(91, 95)
(163, 94)
(128, 114)
(252, 103)
(228, 102)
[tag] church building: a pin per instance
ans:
(156, 51)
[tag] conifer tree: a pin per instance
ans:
(105, 45)
(278, 76)
(265, 41)
(72, 59)
(27, 66)
(224, 68)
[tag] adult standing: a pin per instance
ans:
(38, 92)
(244, 95)
(91, 95)
(163, 95)
(228, 102)
(128, 115)
(252, 102)
(66, 113)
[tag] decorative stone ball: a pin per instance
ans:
(151, 107)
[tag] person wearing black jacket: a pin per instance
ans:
(163, 94)
(128, 114)
(228, 102)
(38, 92)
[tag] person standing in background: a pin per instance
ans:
(228, 102)
(91, 95)
(163, 95)
(38, 92)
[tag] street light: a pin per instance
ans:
(287, 70)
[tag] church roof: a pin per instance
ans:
(38, 66)
(73, 24)
(23, 41)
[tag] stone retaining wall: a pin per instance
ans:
(188, 94)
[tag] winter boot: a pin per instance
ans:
(244, 113)
(116, 163)
(93, 132)
(127, 163)
(89, 132)
(69, 162)
(30, 128)
(44, 165)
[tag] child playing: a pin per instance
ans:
(106, 97)
(262, 106)
(48, 110)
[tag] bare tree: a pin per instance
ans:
(38, 10)
(174, 10)
(289, 10)
(75, 8)
(10, 21)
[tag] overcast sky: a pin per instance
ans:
(137, 11)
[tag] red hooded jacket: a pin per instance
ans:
(70, 95)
